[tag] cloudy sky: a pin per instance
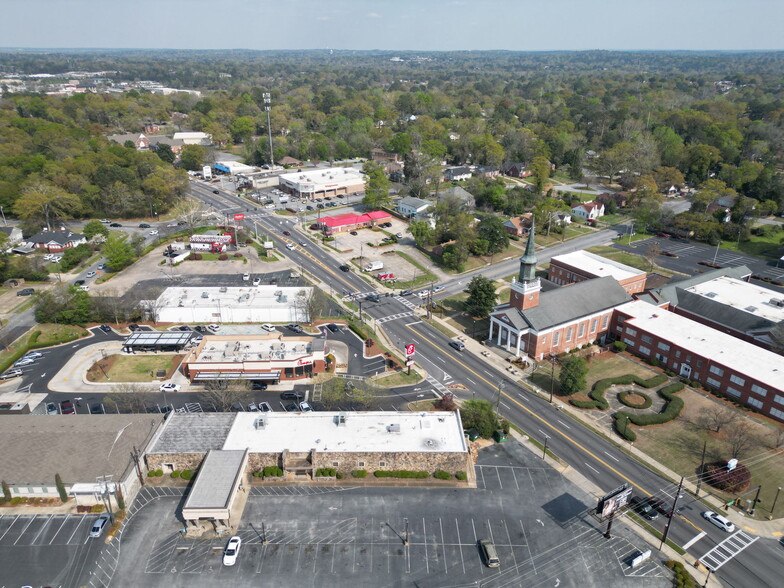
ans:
(526, 25)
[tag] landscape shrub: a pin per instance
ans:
(175, 474)
(186, 474)
(623, 398)
(357, 331)
(600, 387)
(97, 508)
(339, 475)
(619, 346)
(223, 257)
(238, 254)
(682, 577)
(734, 481)
(400, 474)
(326, 472)
(671, 411)
(18, 500)
(461, 475)
(196, 256)
(582, 403)
(442, 475)
(155, 473)
(359, 473)
(621, 426)
(272, 472)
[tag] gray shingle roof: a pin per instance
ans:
(216, 479)
(61, 237)
(193, 432)
(566, 304)
(36, 447)
(722, 314)
(413, 202)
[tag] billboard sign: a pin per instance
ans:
(239, 216)
(410, 349)
(206, 171)
(612, 501)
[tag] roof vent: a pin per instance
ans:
(340, 419)
(394, 428)
(751, 308)
(260, 423)
(711, 295)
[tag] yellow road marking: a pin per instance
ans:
(544, 422)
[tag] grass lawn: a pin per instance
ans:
(422, 405)
(399, 379)
(51, 333)
(134, 368)
(573, 230)
(441, 327)
(678, 444)
(769, 246)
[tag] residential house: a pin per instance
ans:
(457, 173)
(589, 210)
(413, 208)
(621, 199)
(515, 170)
(518, 226)
(290, 162)
(139, 140)
(467, 199)
(487, 171)
(54, 241)
(194, 138)
(382, 156)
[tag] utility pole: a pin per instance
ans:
(607, 534)
(669, 518)
(702, 465)
(268, 106)
(552, 376)
(498, 396)
(544, 451)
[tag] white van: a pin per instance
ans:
(374, 265)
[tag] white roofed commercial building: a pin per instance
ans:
(583, 265)
(318, 183)
(722, 363)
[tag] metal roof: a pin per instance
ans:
(216, 480)
(158, 338)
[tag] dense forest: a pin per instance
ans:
(641, 120)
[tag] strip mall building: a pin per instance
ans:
(320, 183)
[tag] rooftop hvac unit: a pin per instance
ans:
(777, 302)
(260, 423)
(340, 420)
(394, 428)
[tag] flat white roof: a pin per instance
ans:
(742, 295)
(428, 432)
(321, 178)
(250, 348)
(262, 296)
(598, 265)
(745, 358)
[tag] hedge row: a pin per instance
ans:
(326, 473)
(154, 473)
(623, 399)
(400, 474)
(672, 409)
(359, 473)
(600, 387)
(682, 577)
(184, 474)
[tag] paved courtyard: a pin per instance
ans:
(334, 536)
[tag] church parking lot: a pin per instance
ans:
(333, 536)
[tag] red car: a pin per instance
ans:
(287, 233)
(67, 407)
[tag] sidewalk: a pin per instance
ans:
(771, 529)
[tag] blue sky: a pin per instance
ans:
(524, 25)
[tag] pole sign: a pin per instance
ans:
(239, 216)
(409, 362)
(410, 350)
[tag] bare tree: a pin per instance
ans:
(741, 438)
(339, 393)
(717, 417)
(778, 438)
(777, 337)
(223, 394)
(128, 397)
(190, 212)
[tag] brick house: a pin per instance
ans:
(518, 225)
(54, 241)
(515, 170)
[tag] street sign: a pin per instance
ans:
(409, 362)
(239, 216)
(410, 349)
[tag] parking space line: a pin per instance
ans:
(9, 527)
(484, 484)
(32, 518)
(46, 524)
(424, 535)
(65, 520)
(460, 546)
(514, 476)
(498, 473)
(443, 545)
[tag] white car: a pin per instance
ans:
(268, 327)
(232, 551)
(24, 361)
(57, 259)
(213, 327)
(718, 520)
(153, 232)
(256, 281)
(170, 387)
(105, 221)
(270, 206)
(91, 274)
(33, 355)
(290, 246)
(48, 256)
(438, 289)
(172, 224)
(245, 277)
(305, 407)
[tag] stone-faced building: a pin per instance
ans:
(559, 320)
(301, 443)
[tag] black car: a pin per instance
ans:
(354, 233)
(291, 407)
(372, 297)
(200, 328)
(294, 327)
(663, 507)
(291, 395)
(144, 226)
(115, 225)
(97, 409)
(333, 327)
(79, 283)
(26, 292)
(309, 207)
(106, 328)
(287, 233)
(133, 327)
(185, 328)
(405, 293)
(215, 192)
(643, 507)
(345, 268)
(258, 385)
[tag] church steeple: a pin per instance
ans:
(528, 260)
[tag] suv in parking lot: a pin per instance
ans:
(291, 395)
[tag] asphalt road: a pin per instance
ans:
(598, 460)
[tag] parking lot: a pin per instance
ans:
(334, 536)
(44, 549)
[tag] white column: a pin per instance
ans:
(519, 341)
(500, 330)
(508, 338)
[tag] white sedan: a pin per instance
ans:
(170, 387)
(153, 232)
(232, 551)
(290, 246)
(718, 520)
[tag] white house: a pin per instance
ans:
(588, 210)
(411, 207)
(193, 138)
(456, 174)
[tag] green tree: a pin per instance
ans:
(423, 233)
(540, 172)
(479, 415)
(6, 491)
(93, 228)
(58, 481)
(491, 228)
(119, 253)
(481, 297)
(454, 256)
(376, 186)
(45, 202)
(192, 157)
(572, 377)
(164, 151)
(242, 128)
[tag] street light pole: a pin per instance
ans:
(498, 396)
(715, 253)
(772, 508)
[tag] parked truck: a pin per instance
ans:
(374, 266)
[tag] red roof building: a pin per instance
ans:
(349, 222)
